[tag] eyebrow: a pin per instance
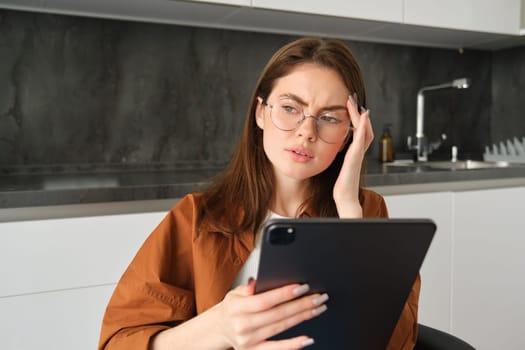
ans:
(304, 103)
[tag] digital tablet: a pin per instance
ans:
(367, 267)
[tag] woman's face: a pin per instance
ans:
(300, 153)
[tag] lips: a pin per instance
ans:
(300, 151)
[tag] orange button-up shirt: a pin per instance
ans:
(181, 271)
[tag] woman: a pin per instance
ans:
(300, 154)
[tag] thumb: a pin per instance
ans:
(244, 290)
(248, 289)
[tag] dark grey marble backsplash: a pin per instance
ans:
(508, 94)
(83, 90)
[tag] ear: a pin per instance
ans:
(259, 110)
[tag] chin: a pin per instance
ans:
(300, 175)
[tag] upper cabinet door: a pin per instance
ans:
(377, 10)
(227, 2)
(522, 17)
(491, 16)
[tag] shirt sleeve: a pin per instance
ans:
(156, 290)
(405, 333)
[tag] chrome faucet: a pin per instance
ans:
(422, 146)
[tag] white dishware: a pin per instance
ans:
(510, 150)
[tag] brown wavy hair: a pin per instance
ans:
(239, 199)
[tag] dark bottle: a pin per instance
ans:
(386, 147)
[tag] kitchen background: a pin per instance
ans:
(81, 90)
(89, 94)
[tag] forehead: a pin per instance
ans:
(313, 83)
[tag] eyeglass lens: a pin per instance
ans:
(332, 126)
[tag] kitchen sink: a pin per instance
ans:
(459, 165)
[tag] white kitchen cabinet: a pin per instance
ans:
(59, 320)
(377, 10)
(472, 277)
(484, 24)
(434, 303)
(225, 2)
(196, 13)
(57, 276)
(488, 305)
(492, 16)
(522, 31)
(59, 254)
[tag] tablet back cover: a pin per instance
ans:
(367, 267)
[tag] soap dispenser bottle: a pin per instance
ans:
(386, 147)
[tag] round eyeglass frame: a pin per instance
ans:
(303, 118)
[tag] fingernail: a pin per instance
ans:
(302, 289)
(320, 299)
(308, 342)
(352, 100)
(319, 310)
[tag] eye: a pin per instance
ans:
(329, 119)
(289, 109)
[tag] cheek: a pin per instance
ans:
(271, 141)
(328, 155)
(330, 151)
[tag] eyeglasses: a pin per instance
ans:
(332, 126)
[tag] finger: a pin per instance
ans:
(251, 286)
(267, 300)
(286, 344)
(353, 110)
(366, 124)
(258, 326)
(290, 309)
(356, 112)
(370, 131)
(275, 328)
(244, 290)
(360, 140)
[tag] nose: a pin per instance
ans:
(307, 128)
